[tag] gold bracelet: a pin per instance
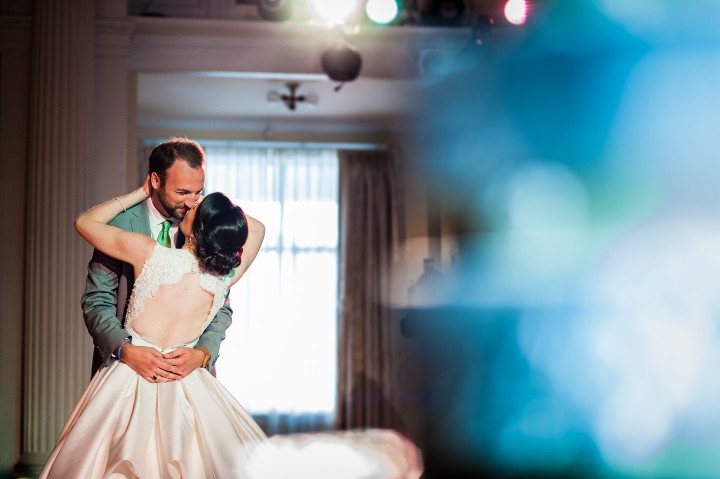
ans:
(207, 355)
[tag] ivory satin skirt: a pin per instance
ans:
(126, 427)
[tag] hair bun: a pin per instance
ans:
(220, 230)
(218, 261)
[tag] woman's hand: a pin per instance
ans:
(184, 361)
(129, 247)
(150, 364)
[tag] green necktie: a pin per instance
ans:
(164, 236)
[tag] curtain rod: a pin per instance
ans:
(295, 145)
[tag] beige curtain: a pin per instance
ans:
(370, 238)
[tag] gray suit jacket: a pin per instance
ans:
(107, 290)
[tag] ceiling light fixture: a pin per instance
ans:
(275, 10)
(516, 11)
(292, 99)
(335, 11)
(444, 13)
(382, 12)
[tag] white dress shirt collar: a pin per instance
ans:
(157, 219)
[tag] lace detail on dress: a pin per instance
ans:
(168, 266)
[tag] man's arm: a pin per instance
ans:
(214, 334)
(99, 304)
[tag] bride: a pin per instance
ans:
(125, 425)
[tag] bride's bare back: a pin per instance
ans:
(176, 314)
(173, 301)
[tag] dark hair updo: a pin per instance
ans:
(220, 231)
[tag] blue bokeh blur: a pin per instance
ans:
(578, 163)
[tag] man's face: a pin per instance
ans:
(186, 223)
(181, 190)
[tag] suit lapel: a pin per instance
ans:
(140, 221)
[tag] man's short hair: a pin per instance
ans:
(165, 154)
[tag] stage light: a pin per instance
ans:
(516, 11)
(381, 11)
(444, 13)
(275, 10)
(335, 11)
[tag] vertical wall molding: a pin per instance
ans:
(115, 151)
(15, 40)
(56, 344)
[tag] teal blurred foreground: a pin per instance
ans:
(579, 163)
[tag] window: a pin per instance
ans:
(279, 358)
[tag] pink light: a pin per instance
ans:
(516, 11)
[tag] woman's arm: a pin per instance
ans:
(256, 234)
(133, 248)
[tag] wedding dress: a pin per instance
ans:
(124, 426)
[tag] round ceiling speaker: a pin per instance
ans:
(341, 62)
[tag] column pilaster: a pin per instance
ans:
(57, 351)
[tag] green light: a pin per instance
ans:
(381, 11)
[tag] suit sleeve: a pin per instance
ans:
(214, 334)
(99, 304)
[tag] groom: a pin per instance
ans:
(177, 177)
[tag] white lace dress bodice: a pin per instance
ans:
(168, 266)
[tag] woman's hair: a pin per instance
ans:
(220, 229)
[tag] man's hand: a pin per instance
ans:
(149, 362)
(185, 360)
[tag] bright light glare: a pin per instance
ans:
(381, 11)
(334, 11)
(335, 455)
(516, 11)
